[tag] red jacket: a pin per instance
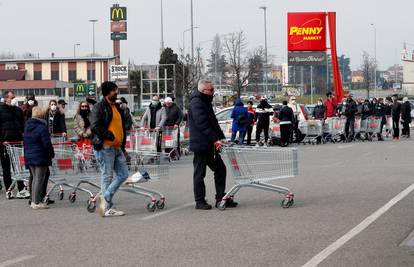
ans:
(252, 115)
(330, 107)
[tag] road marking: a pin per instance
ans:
(167, 212)
(344, 146)
(16, 260)
(357, 229)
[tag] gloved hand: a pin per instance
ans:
(218, 145)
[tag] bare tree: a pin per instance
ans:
(235, 47)
(368, 68)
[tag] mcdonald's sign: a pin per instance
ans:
(118, 13)
(80, 89)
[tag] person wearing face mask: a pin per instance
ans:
(11, 130)
(108, 139)
(319, 110)
(28, 106)
(82, 122)
(350, 110)
(205, 141)
(154, 116)
(55, 119)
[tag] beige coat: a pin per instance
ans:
(80, 127)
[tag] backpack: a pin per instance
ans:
(242, 120)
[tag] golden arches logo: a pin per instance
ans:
(80, 88)
(118, 13)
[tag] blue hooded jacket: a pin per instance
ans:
(240, 116)
(38, 149)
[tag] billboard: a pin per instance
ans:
(118, 72)
(307, 58)
(307, 31)
(118, 26)
(118, 13)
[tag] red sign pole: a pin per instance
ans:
(339, 91)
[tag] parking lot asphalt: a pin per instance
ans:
(350, 210)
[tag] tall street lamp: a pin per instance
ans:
(74, 50)
(189, 29)
(265, 30)
(192, 34)
(162, 29)
(93, 35)
(375, 59)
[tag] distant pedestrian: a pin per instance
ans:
(62, 105)
(82, 123)
(174, 117)
(396, 113)
(109, 136)
(251, 121)
(129, 121)
(319, 111)
(286, 120)
(330, 105)
(350, 111)
(154, 116)
(263, 112)
(55, 119)
(406, 117)
(205, 142)
(240, 118)
(38, 153)
(28, 105)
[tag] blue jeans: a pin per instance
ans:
(110, 160)
(240, 138)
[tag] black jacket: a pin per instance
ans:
(58, 124)
(101, 117)
(263, 117)
(396, 111)
(406, 112)
(174, 115)
(351, 108)
(319, 112)
(204, 127)
(11, 123)
(286, 114)
(128, 119)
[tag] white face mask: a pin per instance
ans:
(14, 102)
(30, 102)
(293, 101)
(344, 102)
(53, 108)
(320, 103)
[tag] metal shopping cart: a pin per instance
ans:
(58, 138)
(145, 167)
(18, 169)
(373, 127)
(312, 129)
(254, 167)
(334, 129)
(226, 127)
(169, 142)
(185, 140)
(148, 140)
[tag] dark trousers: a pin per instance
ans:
(213, 160)
(406, 129)
(349, 128)
(262, 127)
(6, 166)
(46, 181)
(285, 130)
(396, 128)
(38, 184)
(249, 130)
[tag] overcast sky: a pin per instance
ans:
(46, 26)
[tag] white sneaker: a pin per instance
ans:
(113, 213)
(40, 206)
(23, 194)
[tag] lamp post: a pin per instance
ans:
(189, 29)
(375, 59)
(265, 30)
(93, 35)
(162, 28)
(74, 50)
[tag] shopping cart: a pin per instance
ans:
(144, 167)
(226, 127)
(148, 140)
(58, 138)
(274, 128)
(18, 169)
(131, 140)
(312, 130)
(373, 127)
(388, 127)
(169, 142)
(185, 140)
(334, 129)
(254, 167)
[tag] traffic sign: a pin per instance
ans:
(116, 36)
(92, 89)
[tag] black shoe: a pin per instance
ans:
(50, 202)
(203, 206)
(230, 203)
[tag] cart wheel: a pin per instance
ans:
(61, 195)
(72, 198)
(222, 205)
(151, 207)
(91, 207)
(160, 204)
(287, 203)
